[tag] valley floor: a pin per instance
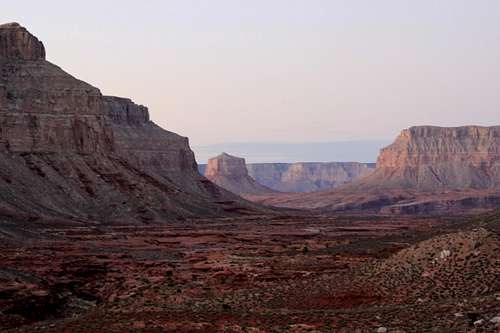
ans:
(256, 274)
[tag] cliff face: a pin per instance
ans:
(308, 177)
(17, 43)
(230, 172)
(426, 170)
(226, 165)
(67, 150)
(430, 158)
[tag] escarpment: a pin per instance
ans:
(68, 151)
(308, 177)
(17, 43)
(426, 170)
(230, 172)
(432, 158)
(305, 177)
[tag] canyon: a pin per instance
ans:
(300, 177)
(308, 176)
(426, 170)
(230, 172)
(107, 225)
(68, 152)
(430, 158)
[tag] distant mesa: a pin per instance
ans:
(68, 152)
(227, 165)
(233, 174)
(305, 176)
(308, 176)
(230, 172)
(426, 170)
(432, 158)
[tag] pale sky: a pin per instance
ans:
(281, 70)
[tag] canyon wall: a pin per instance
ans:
(432, 158)
(17, 43)
(427, 170)
(66, 150)
(230, 172)
(308, 177)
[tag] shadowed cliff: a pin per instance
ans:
(69, 152)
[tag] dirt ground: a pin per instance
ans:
(256, 274)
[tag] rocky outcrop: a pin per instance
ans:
(426, 170)
(308, 177)
(151, 148)
(17, 43)
(431, 158)
(68, 151)
(230, 172)
(226, 165)
(430, 169)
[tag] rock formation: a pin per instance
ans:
(230, 172)
(431, 158)
(308, 177)
(426, 170)
(68, 151)
(17, 43)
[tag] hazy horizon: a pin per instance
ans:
(282, 71)
(365, 151)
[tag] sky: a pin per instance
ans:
(281, 71)
(336, 151)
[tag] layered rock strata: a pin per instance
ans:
(66, 150)
(17, 43)
(230, 172)
(426, 170)
(432, 158)
(308, 177)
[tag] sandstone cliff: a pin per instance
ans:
(68, 151)
(308, 177)
(426, 170)
(17, 43)
(230, 172)
(432, 158)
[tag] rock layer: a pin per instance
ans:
(231, 173)
(68, 151)
(17, 43)
(426, 170)
(430, 158)
(308, 177)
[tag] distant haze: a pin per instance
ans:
(290, 71)
(347, 151)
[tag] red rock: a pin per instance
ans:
(430, 158)
(17, 43)
(230, 172)
(308, 177)
(426, 170)
(68, 152)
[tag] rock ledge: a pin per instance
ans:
(16, 43)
